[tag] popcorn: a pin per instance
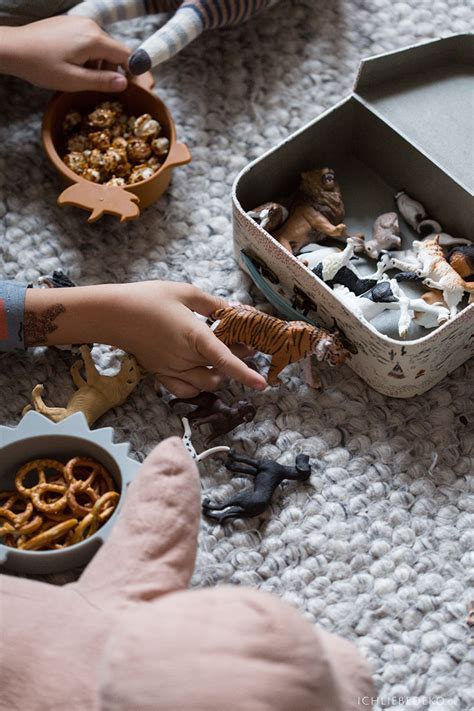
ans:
(78, 143)
(160, 146)
(101, 118)
(71, 121)
(100, 139)
(76, 161)
(92, 174)
(138, 150)
(139, 173)
(146, 127)
(109, 147)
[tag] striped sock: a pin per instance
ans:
(192, 18)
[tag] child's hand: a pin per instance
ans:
(154, 320)
(159, 328)
(57, 53)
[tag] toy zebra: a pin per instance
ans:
(190, 19)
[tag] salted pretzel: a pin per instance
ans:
(90, 523)
(48, 536)
(67, 504)
(41, 466)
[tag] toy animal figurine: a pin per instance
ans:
(57, 280)
(192, 17)
(436, 272)
(316, 211)
(286, 341)
(411, 210)
(211, 410)
(244, 324)
(270, 216)
(268, 475)
(385, 235)
(337, 269)
(387, 295)
(96, 394)
(188, 443)
(428, 319)
(461, 259)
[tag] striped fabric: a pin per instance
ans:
(191, 18)
(12, 304)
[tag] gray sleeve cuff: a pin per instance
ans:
(12, 307)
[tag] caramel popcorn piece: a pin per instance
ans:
(123, 170)
(139, 173)
(77, 143)
(100, 139)
(116, 181)
(154, 163)
(112, 158)
(146, 127)
(160, 146)
(138, 150)
(96, 159)
(76, 161)
(120, 143)
(101, 118)
(71, 121)
(92, 174)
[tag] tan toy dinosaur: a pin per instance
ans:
(96, 394)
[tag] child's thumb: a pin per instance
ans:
(85, 79)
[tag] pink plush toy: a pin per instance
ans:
(128, 636)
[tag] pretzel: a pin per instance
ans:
(98, 472)
(14, 516)
(75, 490)
(41, 466)
(90, 522)
(48, 536)
(67, 504)
(54, 506)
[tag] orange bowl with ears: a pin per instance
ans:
(126, 202)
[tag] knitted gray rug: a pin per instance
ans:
(378, 546)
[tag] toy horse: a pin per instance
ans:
(211, 410)
(191, 18)
(268, 475)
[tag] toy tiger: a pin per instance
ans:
(285, 341)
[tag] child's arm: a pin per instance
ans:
(53, 54)
(153, 320)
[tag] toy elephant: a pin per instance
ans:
(128, 635)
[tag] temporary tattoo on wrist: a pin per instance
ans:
(37, 326)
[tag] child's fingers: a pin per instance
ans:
(200, 301)
(84, 79)
(106, 48)
(223, 360)
(178, 388)
(201, 378)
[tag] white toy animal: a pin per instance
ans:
(387, 295)
(436, 272)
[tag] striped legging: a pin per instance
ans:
(190, 19)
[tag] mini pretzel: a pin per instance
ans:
(44, 506)
(10, 510)
(91, 521)
(41, 466)
(48, 536)
(98, 471)
(78, 489)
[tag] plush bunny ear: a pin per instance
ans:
(152, 547)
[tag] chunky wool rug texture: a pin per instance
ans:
(377, 547)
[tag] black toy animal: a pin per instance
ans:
(211, 410)
(268, 475)
(348, 278)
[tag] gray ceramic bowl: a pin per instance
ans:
(37, 437)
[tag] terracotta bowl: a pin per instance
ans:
(127, 201)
